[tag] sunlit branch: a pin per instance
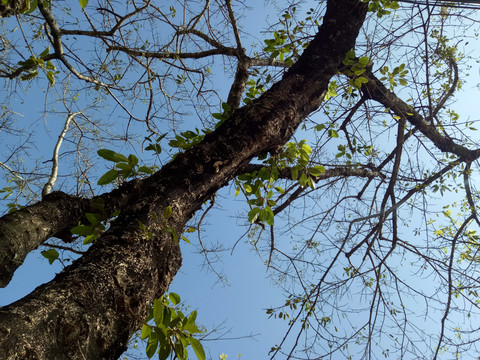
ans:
(47, 188)
(13, 172)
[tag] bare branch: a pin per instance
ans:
(47, 188)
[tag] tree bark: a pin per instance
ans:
(91, 309)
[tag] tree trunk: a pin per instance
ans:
(91, 309)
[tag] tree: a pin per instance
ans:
(358, 192)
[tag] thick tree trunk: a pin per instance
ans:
(90, 310)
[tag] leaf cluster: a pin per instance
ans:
(124, 167)
(173, 331)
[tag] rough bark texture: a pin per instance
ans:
(26, 229)
(90, 310)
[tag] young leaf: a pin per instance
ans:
(158, 311)
(108, 177)
(174, 298)
(83, 3)
(82, 230)
(152, 346)
(106, 154)
(198, 348)
(167, 212)
(51, 255)
(146, 331)
(316, 170)
(253, 214)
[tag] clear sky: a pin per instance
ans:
(237, 306)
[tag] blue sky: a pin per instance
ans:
(239, 305)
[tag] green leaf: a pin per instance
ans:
(363, 60)
(145, 170)
(132, 160)
(51, 255)
(198, 348)
(45, 52)
(152, 346)
(146, 331)
(294, 172)
(192, 317)
(267, 215)
(31, 74)
(303, 179)
(93, 218)
(83, 3)
(33, 6)
(226, 107)
(158, 307)
(82, 230)
(253, 214)
(180, 351)
(174, 298)
(124, 166)
(119, 158)
(154, 147)
(165, 349)
(316, 170)
(106, 154)
(108, 177)
(89, 239)
(332, 133)
(167, 212)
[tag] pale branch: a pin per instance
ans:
(13, 172)
(375, 90)
(47, 188)
(56, 41)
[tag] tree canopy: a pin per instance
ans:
(338, 124)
